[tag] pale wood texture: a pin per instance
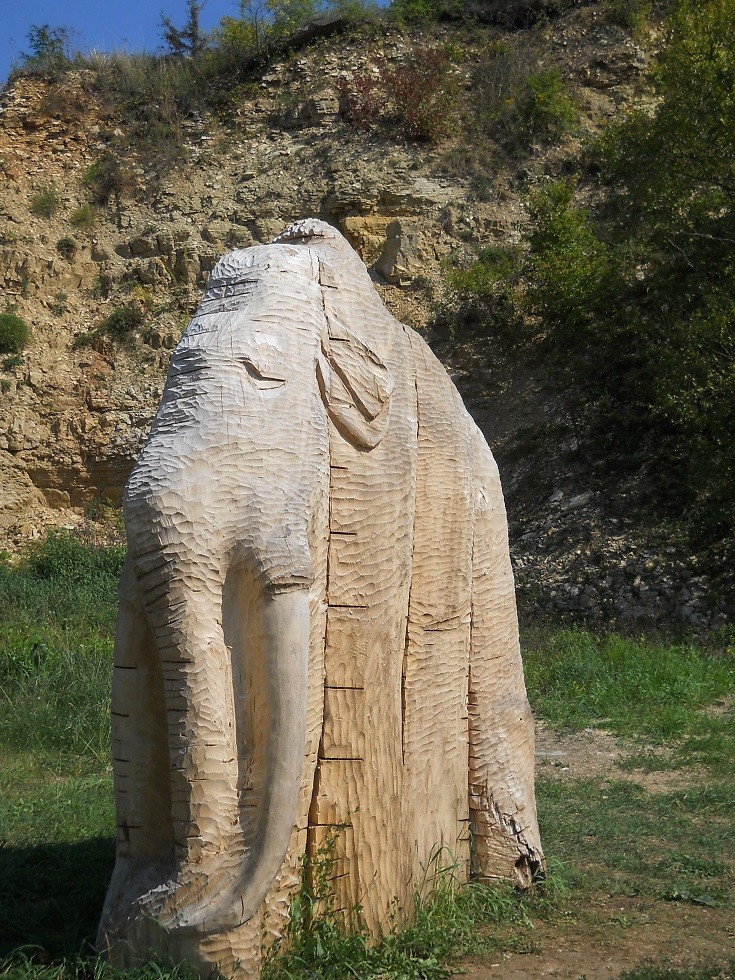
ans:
(317, 638)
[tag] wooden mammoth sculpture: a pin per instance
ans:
(317, 632)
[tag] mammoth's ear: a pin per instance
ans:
(355, 385)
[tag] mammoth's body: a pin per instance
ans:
(317, 635)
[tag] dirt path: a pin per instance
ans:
(596, 754)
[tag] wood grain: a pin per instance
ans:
(317, 648)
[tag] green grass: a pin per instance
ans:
(56, 635)
(24, 966)
(722, 972)
(56, 814)
(613, 835)
(619, 839)
(632, 687)
(602, 836)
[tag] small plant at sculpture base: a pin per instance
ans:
(448, 915)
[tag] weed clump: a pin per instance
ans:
(45, 203)
(83, 217)
(120, 326)
(107, 178)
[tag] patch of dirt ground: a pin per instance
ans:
(617, 933)
(596, 754)
(628, 933)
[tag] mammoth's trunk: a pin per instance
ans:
(234, 658)
(272, 660)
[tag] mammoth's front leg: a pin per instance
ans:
(140, 764)
(503, 823)
(209, 735)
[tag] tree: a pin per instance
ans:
(188, 41)
(672, 171)
(636, 297)
(49, 48)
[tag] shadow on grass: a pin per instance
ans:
(52, 894)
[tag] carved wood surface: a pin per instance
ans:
(317, 638)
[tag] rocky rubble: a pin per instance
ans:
(584, 563)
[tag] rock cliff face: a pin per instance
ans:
(73, 418)
(75, 408)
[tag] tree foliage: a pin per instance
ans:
(637, 298)
(50, 49)
(672, 223)
(187, 41)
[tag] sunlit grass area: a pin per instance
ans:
(602, 836)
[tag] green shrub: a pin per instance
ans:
(569, 267)
(547, 108)
(119, 325)
(498, 78)
(83, 217)
(122, 322)
(45, 203)
(633, 14)
(423, 11)
(483, 297)
(66, 247)
(515, 99)
(14, 334)
(154, 95)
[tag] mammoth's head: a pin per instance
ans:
(304, 300)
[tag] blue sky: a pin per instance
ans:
(101, 24)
